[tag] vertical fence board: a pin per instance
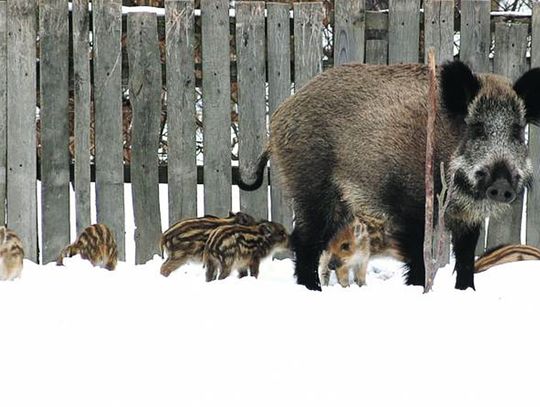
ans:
(533, 194)
(251, 61)
(81, 106)
(510, 61)
(107, 24)
(216, 106)
(350, 23)
(279, 88)
(54, 54)
(377, 31)
(439, 29)
(145, 98)
(21, 143)
(475, 37)
(307, 42)
(181, 125)
(3, 109)
(403, 31)
(474, 44)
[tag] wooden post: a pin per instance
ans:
(251, 61)
(510, 61)
(439, 29)
(533, 194)
(279, 88)
(404, 31)
(377, 44)
(54, 56)
(82, 109)
(3, 109)
(181, 125)
(145, 98)
(475, 42)
(216, 106)
(107, 22)
(21, 124)
(350, 23)
(307, 42)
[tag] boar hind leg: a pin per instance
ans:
(464, 241)
(411, 242)
(318, 217)
(324, 270)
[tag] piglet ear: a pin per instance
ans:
(266, 229)
(528, 89)
(459, 86)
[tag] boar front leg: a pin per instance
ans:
(464, 240)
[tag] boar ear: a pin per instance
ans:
(528, 89)
(459, 86)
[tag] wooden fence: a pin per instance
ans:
(276, 46)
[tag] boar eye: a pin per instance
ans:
(518, 133)
(345, 247)
(477, 130)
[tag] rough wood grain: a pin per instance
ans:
(181, 124)
(82, 108)
(349, 31)
(145, 98)
(439, 29)
(475, 34)
(3, 109)
(251, 63)
(216, 106)
(107, 24)
(533, 194)
(54, 43)
(403, 31)
(307, 42)
(21, 124)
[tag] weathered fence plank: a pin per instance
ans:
(3, 109)
(533, 194)
(475, 38)
(145, 98)
(307, 42)
(216, 106)
(251, 63)
(21, 120)
(279, 88)
(474, 44)
(510, 60)
(439, 29)
(181, 124)
(107, 24)
(54, 52)
(82, 109)
(377, 32)
(350, 23)
(403, 31)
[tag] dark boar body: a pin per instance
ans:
(352, 143)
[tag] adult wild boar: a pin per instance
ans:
(352, 141)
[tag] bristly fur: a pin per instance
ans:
(505, 254)
(242, 247)
(96, 243)
(352, 140)
(184, 241)
(11, 254)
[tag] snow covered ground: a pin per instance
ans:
(79, 336)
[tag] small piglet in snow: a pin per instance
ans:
(11, 254)
(184, 241)
(95, 243)
(242, 247)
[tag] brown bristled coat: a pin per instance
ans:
(11, 254)
(184, 241)
(505, 254)
(95, 243)
(242, 247)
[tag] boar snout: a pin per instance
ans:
(334, 263)
(501, 191)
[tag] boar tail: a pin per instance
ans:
(259, 173)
